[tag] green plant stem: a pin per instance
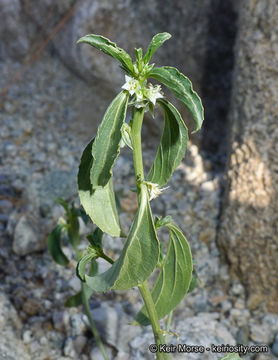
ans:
(87, 311)
(169, 320)
(93, 328)
(136, 128)
(107, 258)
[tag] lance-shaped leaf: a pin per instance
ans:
(81, 266)
(174, 277)
(109, 48)
(181, 87)
(73, 227)
(106, 146)
(76, 299)
(54, 246)
(172, 145)
(156, 42)
(99, 203)
(138, 257)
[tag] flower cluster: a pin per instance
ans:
(143, 94)
(154, 189)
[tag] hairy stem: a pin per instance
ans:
(136, 127)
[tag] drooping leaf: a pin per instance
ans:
(99, 203)
(156, 42)
(54, 246)
(106, 146)
(76, 299)
(138, 257)
(109, 48)
(181, 87)
(172, 145)
(82, 214)
(195, 280)
(174, 277)
(63, 203)
(96, 238)
(93, 268)
(73, 227)
(81, 265)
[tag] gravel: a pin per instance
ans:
(40, 156)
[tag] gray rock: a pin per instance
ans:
(274, 347)
(43, 190)
(15, 37)
(237, 289)
(61, 320)
(250, 242)
(69, 349)
(79, 324)
(109, 319)
(198, 330)
(5, 206)
(271, 321)
(11, 347)
(96, 354)
(240, 316)
(8, 315)
(27, 236)
(261, 333)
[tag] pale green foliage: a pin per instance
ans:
(139, 255)
(172, 145)
(174, 278)
(181, 87)
(99, 203)
(141, 251)
(106, 146)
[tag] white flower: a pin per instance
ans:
(139, 98)
(153, 93)
(131, 85)
(154, 189)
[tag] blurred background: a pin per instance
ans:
(53, 94)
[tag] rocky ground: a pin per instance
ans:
(41, 144)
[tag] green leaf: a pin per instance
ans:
(54, 246)
(63, 203)
(93, 268)
(109, 48)
(98, 203)
(106, 146)
(73, 227)
(76, 299)
(181, 87)
(96, 238)
(233, 356)
(172, 145)
(138, 257)
(156, 42)
(174, 278)
(193, 283)
(81, 266)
